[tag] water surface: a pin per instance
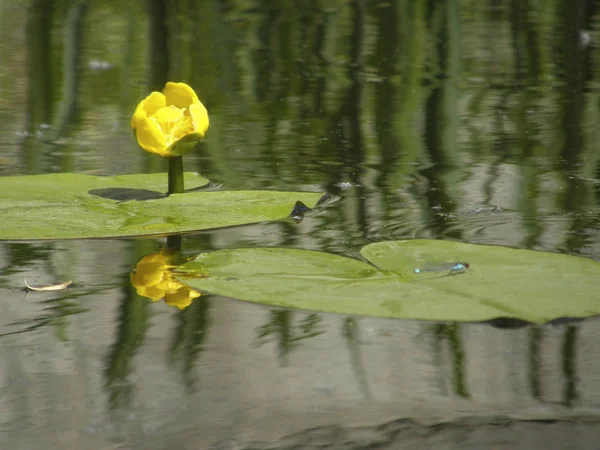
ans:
(471, 121)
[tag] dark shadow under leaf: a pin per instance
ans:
(124, 194)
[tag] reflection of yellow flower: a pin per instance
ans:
(171, 122)
(153, 278)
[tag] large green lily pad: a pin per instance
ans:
(501, 282)
(66, 206)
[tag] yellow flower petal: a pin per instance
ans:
(179, 94)
(182, 298)
(170, 285)
(151, 137)
(183, 128)
(163, 256)
(138, 116)
(173, 123)
(152, 262)
(148, 107)
(199, 118)
(162, 120)
(147, 275)
(152, 292)
(154, 102)
(168, 114)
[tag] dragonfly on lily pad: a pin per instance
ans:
(450, 267)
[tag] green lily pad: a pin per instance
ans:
(501, 282)
(68, 206)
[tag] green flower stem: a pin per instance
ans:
(174, 243)
(175, 175)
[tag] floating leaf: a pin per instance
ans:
(66, 206)
(501, 282)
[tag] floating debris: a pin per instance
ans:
(51, 287)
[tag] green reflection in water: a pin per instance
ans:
(286, 333)
(40, 82)
(48, 123)
(441, 116)
(54, 313)
(20, 256)
(69, 111)
(158, 34)
(133, 322)
(442, 119)
(535, 360)
(450, 334)
(132, 327)
(351, 333)
(53, 307)
(189, 336)
(569, 364)
(578, 108)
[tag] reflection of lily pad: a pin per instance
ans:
(502, 282)
(66, 206)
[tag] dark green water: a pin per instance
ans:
(468, 120)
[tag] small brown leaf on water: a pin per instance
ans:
(52, 287)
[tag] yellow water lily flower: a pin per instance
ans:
(153, 277)
(171, 122)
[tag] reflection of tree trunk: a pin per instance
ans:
(441, 120)
(355, 146)
(131, 57)
(525, 36)
(345, 137)
(451, 334)
(458, 359)
(573, 12)
(385, 94)
(535, 340)
(344, 126)
(574, 16)
(133, 324)
(441, 115)
(280, 325)
(263, 56)
(526, 42)
(158, 66)
(569, 354)
(353, 100)
(39, 100)
(320, 82)
(68, 107)
(158, 35)
(350, 333)
(192, 328)
(284, 334)
(40, 81)
(38, 62)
